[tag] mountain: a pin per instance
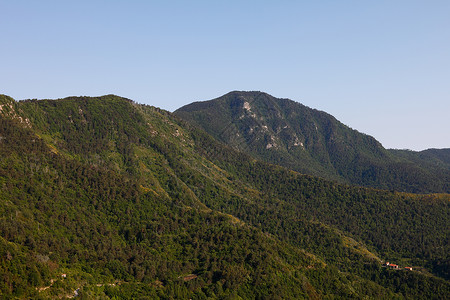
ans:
(430, 158)
(287, 133)
(106, 198)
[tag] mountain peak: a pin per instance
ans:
(290, 134)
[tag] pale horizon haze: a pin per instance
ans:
(380, 67)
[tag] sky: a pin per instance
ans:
(380, 67)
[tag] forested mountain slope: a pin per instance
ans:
(429, 159)
(289, 134)
(127, 200)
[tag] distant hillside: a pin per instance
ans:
(105, 198)
(429, 159)
(289, 134)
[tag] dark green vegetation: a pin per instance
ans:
(129, 201)
(309, 141)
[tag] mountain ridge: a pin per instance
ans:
(310, 141)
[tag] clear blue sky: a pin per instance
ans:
(381, 67)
